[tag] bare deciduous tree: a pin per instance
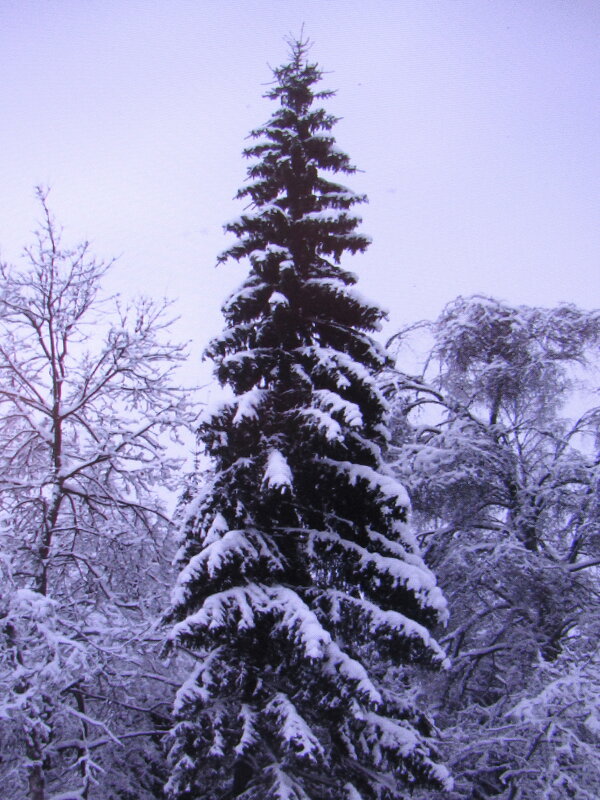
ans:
(87, 406)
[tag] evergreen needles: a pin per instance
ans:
(301, 593)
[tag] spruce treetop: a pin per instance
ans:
(294, 233)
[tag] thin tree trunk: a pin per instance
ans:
(37, 782)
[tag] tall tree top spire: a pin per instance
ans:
(286, 183)
(294, 79)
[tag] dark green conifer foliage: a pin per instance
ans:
(300, 584)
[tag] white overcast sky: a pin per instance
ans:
(476, 124)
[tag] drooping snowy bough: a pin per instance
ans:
(301, 587)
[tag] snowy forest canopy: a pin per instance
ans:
(320, 644)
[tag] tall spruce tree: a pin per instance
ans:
(301, 592)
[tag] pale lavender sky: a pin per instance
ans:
(476, 122)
